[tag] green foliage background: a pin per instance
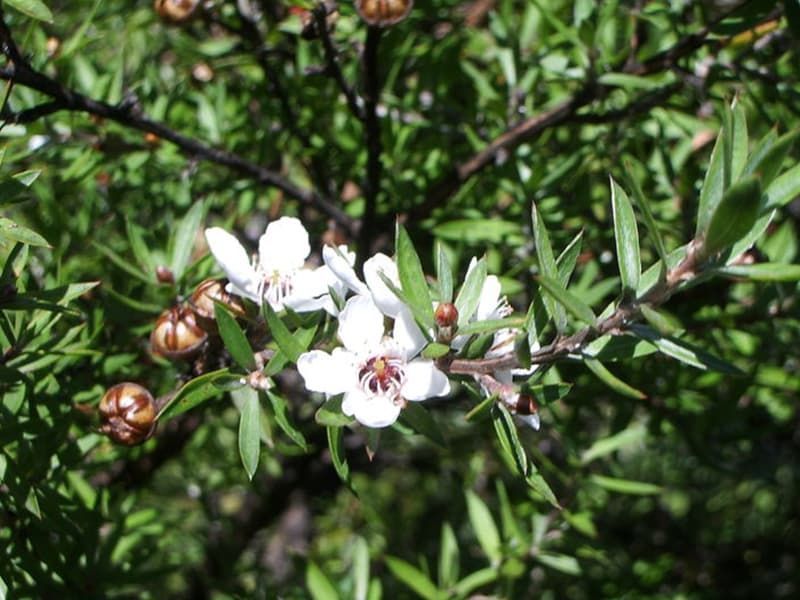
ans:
(691, 491)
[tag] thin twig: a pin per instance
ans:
(332, 68)
(372, 139)
(129, 114)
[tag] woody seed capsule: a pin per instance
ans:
(176, 11)
(383, 13)
(176, 334)
(128, 413)
(202, 302)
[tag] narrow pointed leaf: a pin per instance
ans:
(559, 562)
(338, 458)
(647, 213)
(734, 216)
(281, 409)
(361, 569)
(234, 338)
(611, 380)
(626, 486)
(469, 296)
(634, 434)
(318, 584)
(568, 300)
(15, 232)
(767, 165)
(198, 390)
(547, 267)
(763, 272)
(783, 189)
(286, 341)
(626, 237)
(684, 352)
(420, 420)
(448, 557)
(183, 243)
(35, 9)
(412, 577)
(485, 528)
(412, 279)
(739, 140)
(250, 431)
(330, 413)
(444, 273)
(506, 432)
(568, 259)
(713, 186)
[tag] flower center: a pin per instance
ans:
(382, 375)
(274, 287)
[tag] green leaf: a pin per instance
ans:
(13, 232)
(35, 9)
(250, 431)
(318, 584)
(412, 279)
(123, 263)
(303, 337)
(684, 352)
(435, 350)
(474, 581)
(713, 187)
(183, 242)
(197, 391)
(763, 272)
(548, 393)
(283, 337)
(647, 213)
(626, 486)
(469, 296)
(568, 259)
(234, 338)
(420, 420)
(492, 325)
(559, 562)
(660, 321)
(506, 432)
(444, 274)
(139, 247)
(567, 299)
(448, 557)
(547, 267)
(635, 434)
(330, 413)
(611, 380)
(739, 139)
(336, 447)
(783, 189)
(412, 577)
(485, 528)
(475, 231)
(734, 216)
(360, 569)
(626, 236)
(767, 165)
(281, 408)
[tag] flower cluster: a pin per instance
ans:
(377, 369)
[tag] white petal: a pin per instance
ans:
(284, 246)
(407, 334)
(424, 380)
(309, 290)
(385, 299)
(340, 261)
(530, 420)
(372, 411)
(490, 299)
(329, 373)
(361, 325)
(232, 257)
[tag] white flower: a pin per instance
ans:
(376, 373)
(277, 275)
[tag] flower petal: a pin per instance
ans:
(284, 246)
(372, 411)
(333, 373)
(361, 325)
(340, 261)
(232, 257)
(424, 380)
(407, 334)
(310, 291)
(385, 299)
(530, 420)
(490, 300)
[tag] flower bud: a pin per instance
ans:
(164, 274)
(128, 413)
(176, 11)
(446, 314)
(176, 334)
(383, 13)
(202, 302)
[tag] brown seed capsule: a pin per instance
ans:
(128, 413)
(176, 334)
(202, 302)
(176, 11)
(383, 13)
(526, 405)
